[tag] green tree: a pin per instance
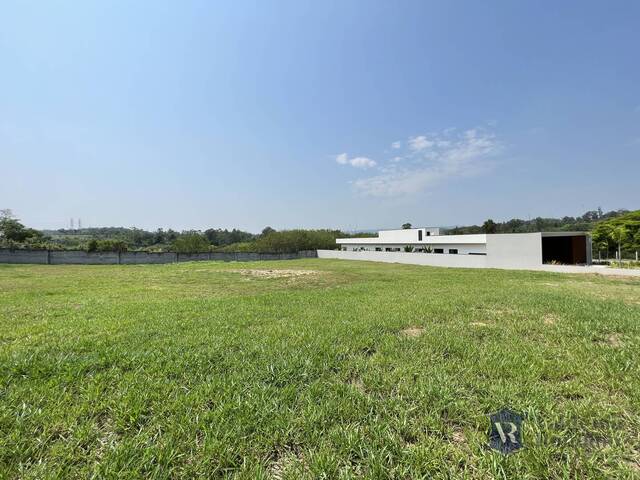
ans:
(406, 226)
(621, 231)
(619, 234)
(12, 231)
(267, 231)
(191, 242)
(92, 245)
(489, 226)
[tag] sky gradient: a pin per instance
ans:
(346, 114)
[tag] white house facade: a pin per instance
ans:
(484, 250)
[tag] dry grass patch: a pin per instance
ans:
(412, 332)
(285, 460)
(358, 384)
(479, 324)
(550, 319)
(615, 340)
(458, 437)
(275, 273)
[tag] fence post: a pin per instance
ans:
(119, 259)
(48, 256)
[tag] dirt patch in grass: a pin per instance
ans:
(412, 332)
(614, 340)
(284, 461)
(358, 384)
(610, 340)
(107, 436)
(457, 437)
(273, 273)
(550, 319)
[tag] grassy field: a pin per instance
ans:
(321, 369)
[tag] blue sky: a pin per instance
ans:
(341, 114)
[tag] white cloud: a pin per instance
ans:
(396, 145)
(357, 162)
(420, 143)
(448, 155)
(362, 162)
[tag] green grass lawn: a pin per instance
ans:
(355, 370)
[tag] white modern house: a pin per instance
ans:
(426, 246)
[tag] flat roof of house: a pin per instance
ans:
(473, 239)
(468, 239)
(565, 234)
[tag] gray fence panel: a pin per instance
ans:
(223, 256)
(79, 257)
(23, 256)
(193, 257)
(269, 256)
(136, 258)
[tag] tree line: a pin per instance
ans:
(618, 237)
(614, 231)
(13, 234)
(583, 223)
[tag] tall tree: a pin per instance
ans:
(489, 226)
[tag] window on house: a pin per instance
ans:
(476, 253)
(438, 250)
(453, 251)
(428, 234)
(419, 235)
(378, 249)
(344, 249)
(387, 249)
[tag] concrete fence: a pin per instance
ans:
(79, 257)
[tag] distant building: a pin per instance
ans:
(569, 248)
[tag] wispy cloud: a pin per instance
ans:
(420, 143)
(431, 159)
(396, 145)
(358, 162)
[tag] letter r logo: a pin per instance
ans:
(511, 434)
(505, 434)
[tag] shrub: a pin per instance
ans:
(290, 241)
(191, 242)
(106, 246)
(92, 246)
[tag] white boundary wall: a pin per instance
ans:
(509, 250)
(433, 259)
(470, 261)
